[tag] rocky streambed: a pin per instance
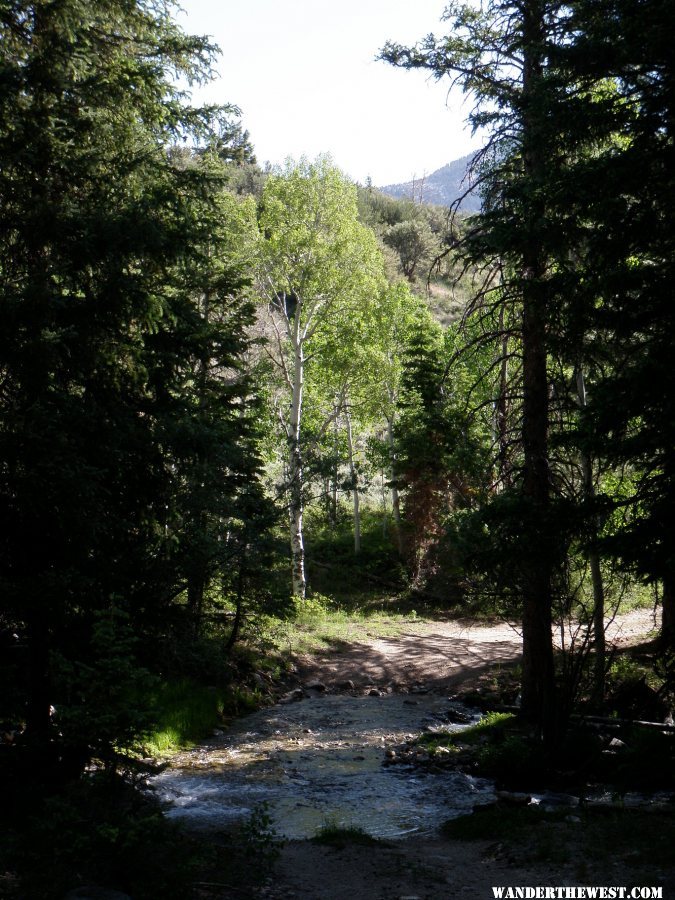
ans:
(322, 760)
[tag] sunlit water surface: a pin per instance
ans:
(319, 762)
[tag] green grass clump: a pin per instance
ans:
(321, 623)
(490, 725)
(185, 712)
(335, 835)
(497, 746)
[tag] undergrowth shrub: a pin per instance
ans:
(103, 832)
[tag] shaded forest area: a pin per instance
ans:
(230, 392)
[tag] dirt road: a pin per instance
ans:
(441, 655)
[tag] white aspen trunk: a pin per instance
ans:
(334, 494)
(594, 562)
(395, 501)
(355, 485)
(295, 467)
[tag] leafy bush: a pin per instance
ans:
(104, 703)
(99, 831)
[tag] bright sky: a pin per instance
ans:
(304, 74)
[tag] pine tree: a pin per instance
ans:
(105, 264)
(626, 275)
(500, 55)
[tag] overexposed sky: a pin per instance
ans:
(304, 74)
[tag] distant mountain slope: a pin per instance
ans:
(442, 187)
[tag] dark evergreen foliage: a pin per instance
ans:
(128, 462)
(577, 218)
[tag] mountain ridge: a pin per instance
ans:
(442, 187)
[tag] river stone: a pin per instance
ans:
(293, 696)
(551, 800)
(458, 716)
(514, 798)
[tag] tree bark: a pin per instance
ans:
(538, 687)
(395, 500)
(354, 477)
(668, 612)
(336, 445)
(38, 713)
(538, 693)
(196, 585)
(239, 603)
(594, 563)
(295, 471)
(501, 412)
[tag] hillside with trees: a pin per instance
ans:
(235, 401)
(452, 184)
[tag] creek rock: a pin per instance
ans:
(459, 716)
(293, 696)
(514, 798)
(551, 800)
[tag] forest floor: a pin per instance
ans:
(395, 678)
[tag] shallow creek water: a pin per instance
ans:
(317, 762)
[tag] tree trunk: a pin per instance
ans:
(354, 478)
(38, 713)
(594, 563)
(538, 693)
(668, 612)
(196, 585)
(295, 473)
(501, 412)
(198, 577)
(239, 603)
(538, 688)
(336, 446)
(395, 500)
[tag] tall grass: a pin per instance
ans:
(185, 713)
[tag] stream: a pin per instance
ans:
(319, 762)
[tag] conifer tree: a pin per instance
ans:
(499, 55)
(106, 262)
